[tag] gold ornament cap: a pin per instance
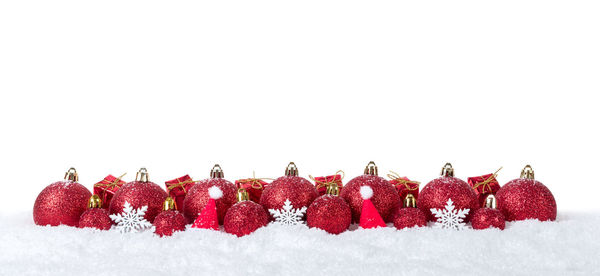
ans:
(242, 195)
(71, 175)
(216, 172)
(95, 202)
(142, 175)
(490, 202)
(291, 169)
(527, 172)
(169, 204)
(410, 201)
(371, 169)
(447, 170)
(333, 189)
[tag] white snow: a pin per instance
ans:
(570, 246)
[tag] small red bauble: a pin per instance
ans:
(526, 198)
(484, 218)
(61, 202)
(95, 216)
(169, 220)
(385, 197)
(329, 212)
(197, 197)
(245, 216)
(437, 192)
(409, 216)
(139, 193)
(298, 190)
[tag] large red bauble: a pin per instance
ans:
(385, 197)
(484, 218)
(168, 222)
(298, 190)
(197, 197)
(523, 198)
(408, 217)
(139, 194)
(437, 192)
(330, 213)
(62, 202)
(95, 218)
(244, 218)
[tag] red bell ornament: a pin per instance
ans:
(198, 196)
(95, 216)
(139, 193)
(245, 216)
(329, 212)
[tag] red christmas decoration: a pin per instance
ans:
(95, 216)
(107, 188)
(404, 185)
(488, 216)
(245, 216)
(484, 185)
(197, 197)
(323, 182)
(254, 186)
(369, 217)
(169, 220)
(298, 190)
(61, 202)
(437, 192)
(385, 198)
(409, 216)
(208, 219)
(526, 198)
(329, 212)
(138, 193)
(178, 189)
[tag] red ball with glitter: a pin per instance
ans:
(385, 197)
(198, 196)
(169, 220)
(95, 216)
(139, 193)
(437, 192)
(245, 216)
(329, 212)
(488, 216)
(526, 198)
(298, 190)
(61, 202)
(409, 216)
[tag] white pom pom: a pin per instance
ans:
(366, 192)
(215, 192)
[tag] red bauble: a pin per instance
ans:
(525, 198)
(484, 218)
(298, 190)
(197, 197)
(139, 193)
(244, 218)
(168, 222)
(330, 213)
(408, 217)
(95, 218)
(385, 198)
(62, 202)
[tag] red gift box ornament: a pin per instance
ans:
(178, 189)
(322, 182)
(254, 186)
(404, 186)
(485, 185)
(106, 188)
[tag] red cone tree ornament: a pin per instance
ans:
(61, 202)
(298, 190)
(245, 216)
(385, 197)
(95, 216)
(488, 216)
(139, 193)
(329, 212)
(208, 218)
(410, 215)
(369, 217)
(526, 198)
(437, 192)
(169, 220)
(197, 197)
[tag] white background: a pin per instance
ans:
(176, 86)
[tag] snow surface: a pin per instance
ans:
(570, 246)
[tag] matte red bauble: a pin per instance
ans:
(169, 220)
(526, 198)
(298, 190)
(95, 216)
(61, 202)
(409, 215)
(245, 216)
(329, 212)
(437, 192)
(385, 197)
(488, 216)
(139, 193)
(197, 196)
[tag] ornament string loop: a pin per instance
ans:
(371, 169)
(333, 182)
(527, 172)
(486, 183)
(447, 170)
(401, 181)
(254, 181)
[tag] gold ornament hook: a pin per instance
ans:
(490, 202)
(216, 172)
(71, 175)
(95, 202)
(447, 170)
(527, 172)
(142, 175)
(291, 169)
(410, 201)
(333, 189)
(242, 195)
(169, 204)
(371, 169)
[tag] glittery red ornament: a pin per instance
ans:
(385, 198)
(437, 192)
(329, 212)
(197, 197)
(526, 198)
(61, 202)
(488, 216)
(245, 216)
(169, 220)
(298, 190)
(409, 215)
(139, 193)
(95, 216)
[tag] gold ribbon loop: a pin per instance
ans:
(181, 184)
(395, 176)
(321, 184)
(255, 182)
(486, 182)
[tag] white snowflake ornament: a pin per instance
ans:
(288, 215)
(131, 220)
(449, 218)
